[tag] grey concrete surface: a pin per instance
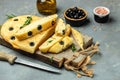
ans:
(108, 34)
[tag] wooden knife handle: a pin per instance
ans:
(7, 57)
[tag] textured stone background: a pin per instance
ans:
(108, 63)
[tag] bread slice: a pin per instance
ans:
(78, 38)
(61, 45)
(49, 43)
(60, 27)
(68, 30)
(36, 27)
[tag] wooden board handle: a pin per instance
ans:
(7, 57)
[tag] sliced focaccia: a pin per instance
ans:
(61, 45)
(36, 27)
(68, 30)
(10, 27)
(49, 43)
(62, 29)
(31, 44)
(78, 38)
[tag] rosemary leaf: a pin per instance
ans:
(50, 41)
(27, 22)
(10, 16)
(73, 47)
(51, 59)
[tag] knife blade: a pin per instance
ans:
(13, 59)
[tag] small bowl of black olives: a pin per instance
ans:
(75, 16)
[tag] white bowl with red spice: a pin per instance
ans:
(101, 14)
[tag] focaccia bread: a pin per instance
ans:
(61, 45)
(30, 45)
(36, 27)
(50, 36)
(11, 26)
(78, 38)
(49, 43)
(62, 29)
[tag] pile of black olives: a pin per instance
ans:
(75, 13)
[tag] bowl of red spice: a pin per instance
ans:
(101, 14)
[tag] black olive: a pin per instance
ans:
(69, 10)
(39, 27)
(83, 14)
(53, 22)
(71, 16)
(63, 32)
(75, 17)
(80, 17)
(71, 13)
(21, 27)
(75, 9)
(79, 13)
(31, 43)
(12, 38)
(67, 13)
(29, 33)
(74, 13)
(28, 17)
(15, 19)
(61, 42)
(11, 28)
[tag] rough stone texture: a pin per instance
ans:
(108, 64)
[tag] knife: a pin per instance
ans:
(13, 59)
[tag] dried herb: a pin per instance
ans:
(10, 16)
(73, 47)
(28, 21)
(51, 59)
(50, 41)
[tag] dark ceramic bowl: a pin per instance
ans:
(100, 17)
(76, 22)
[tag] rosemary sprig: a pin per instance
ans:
(28, 21)
(50, 41)
(51, 59)
(10, 16)
(73, 48)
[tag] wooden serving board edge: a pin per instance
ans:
(37, 55)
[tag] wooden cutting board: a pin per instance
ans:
(56, 60)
